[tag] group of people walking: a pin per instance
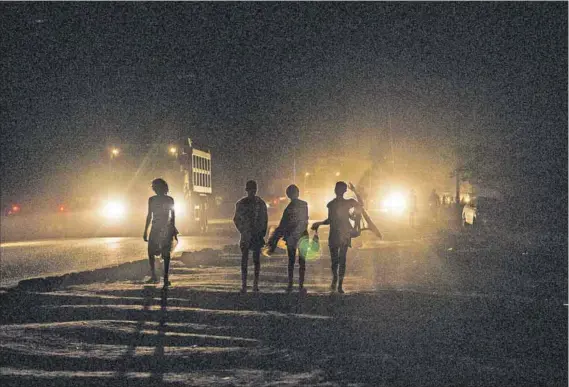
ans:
(251, 220)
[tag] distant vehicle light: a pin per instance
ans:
(394, 202)
(16, 208)
(61, 208)
(114, 210)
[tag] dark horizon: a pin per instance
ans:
(252, 81)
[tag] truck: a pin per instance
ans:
(131, 168)
(195, 165)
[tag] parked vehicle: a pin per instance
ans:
(484, 212)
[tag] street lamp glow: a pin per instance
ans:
(173, 150)
(337, 174)
(115, 151)
(307, 174)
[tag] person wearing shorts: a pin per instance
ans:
(163, 231)
(341, 230)
(251, 220)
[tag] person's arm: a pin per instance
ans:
(356, 205)
(283, 223)
(173, 214)
(173, 220)
(358, 196)
(304, 218)
(238, 217)
(148, 219)
(357, 209)
(279, 231)
(325, 222)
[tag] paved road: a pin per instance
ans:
(21, 260)
(39, 258)
(414, 311)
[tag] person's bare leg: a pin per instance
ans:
(257, 263)
(342, 267)
(166, 257)
(291, 259)
(334, 259)
(244, 259)
(301, 271)
(152, 263)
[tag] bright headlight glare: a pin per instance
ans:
(179, 207)
(114, 210)
(395, 202)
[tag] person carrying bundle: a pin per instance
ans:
(293, 227)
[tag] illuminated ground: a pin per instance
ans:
(47, 257)
(450, 311)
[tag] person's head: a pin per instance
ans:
(160, 186)
(292, 192)
(251, 188)
(341, 188)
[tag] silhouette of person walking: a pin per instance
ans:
(341, 230)
(412, 209)
(434, 204)
(251, 220)
(291, 228)
(163, 232)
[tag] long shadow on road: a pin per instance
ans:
(66, 332)
(145, 336)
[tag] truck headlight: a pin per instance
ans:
(179, 207)
(114, 210)
(395, 202)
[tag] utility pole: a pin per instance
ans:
(294, 166)
(457, 197)
(391, 142)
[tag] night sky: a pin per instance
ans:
(252, 81)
